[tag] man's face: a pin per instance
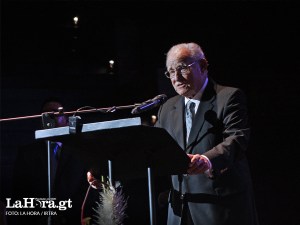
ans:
(187, 77)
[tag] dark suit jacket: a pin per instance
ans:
(220, 131)
(30, 181)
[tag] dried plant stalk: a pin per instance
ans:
(112, 207)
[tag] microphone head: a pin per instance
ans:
(156, 101)
(162, 98)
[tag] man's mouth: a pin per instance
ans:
(182, 85)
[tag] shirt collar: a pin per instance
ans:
(198, 96)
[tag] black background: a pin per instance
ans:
(249, 44)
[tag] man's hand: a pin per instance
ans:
(199, 164)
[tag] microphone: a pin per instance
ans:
(150, 104)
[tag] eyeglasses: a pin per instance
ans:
(183, 70)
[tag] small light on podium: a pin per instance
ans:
(153, 119)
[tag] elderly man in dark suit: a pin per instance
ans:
(210, 123)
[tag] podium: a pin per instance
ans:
(122, 149)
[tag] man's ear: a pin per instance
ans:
(203, 64)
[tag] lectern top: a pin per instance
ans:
(89, 127)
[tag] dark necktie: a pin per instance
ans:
(189, 116)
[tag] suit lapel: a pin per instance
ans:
(205, 105)
(178, 122)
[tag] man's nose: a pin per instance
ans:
(177, 74)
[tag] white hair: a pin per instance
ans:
(190, 50)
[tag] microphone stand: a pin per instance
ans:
(102, 110)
